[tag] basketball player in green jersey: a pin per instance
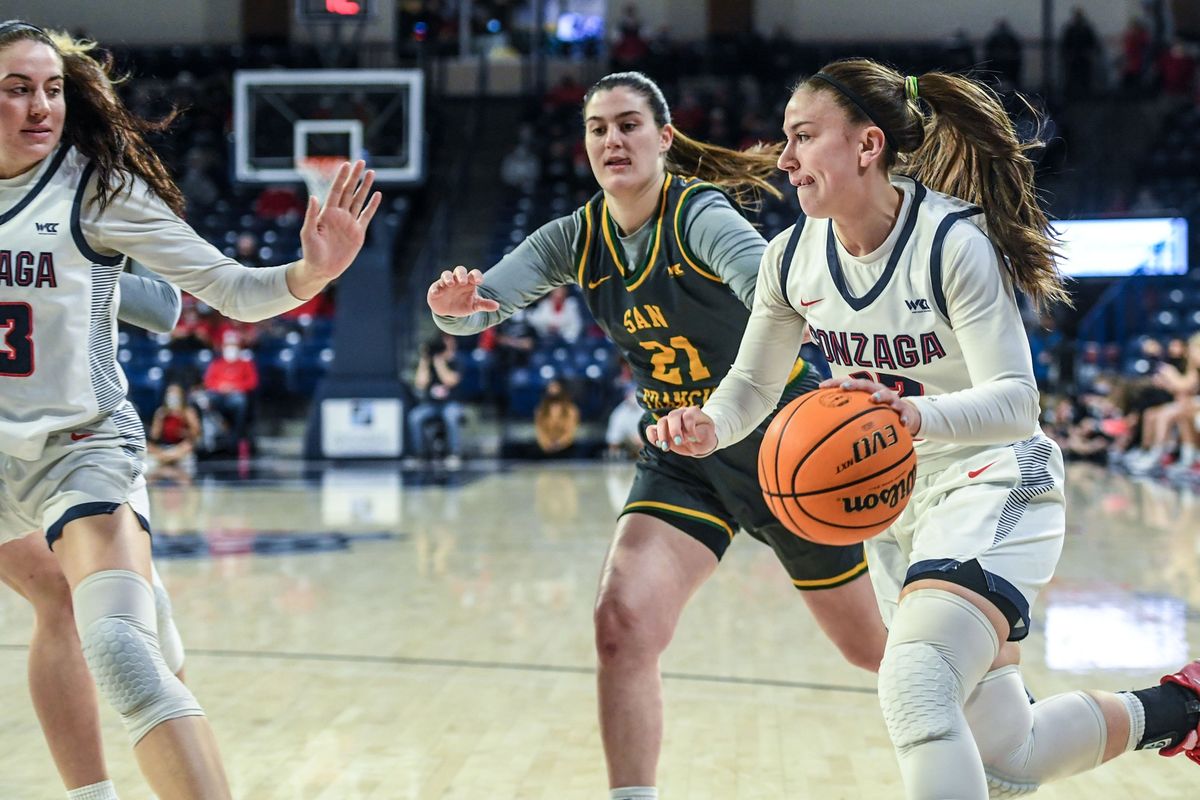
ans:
(667, 267)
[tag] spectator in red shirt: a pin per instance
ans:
(173, 433)
(1135, 45)
(229, 380)
(1177, 70)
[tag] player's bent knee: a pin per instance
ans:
(50, 596)
(115, 616)
(625, 632)
(1068, 736)
(938, 648)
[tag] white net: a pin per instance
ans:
(318, 173)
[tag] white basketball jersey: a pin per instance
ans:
(886, 321)
(58, 313)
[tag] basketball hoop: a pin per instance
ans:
(318, 173)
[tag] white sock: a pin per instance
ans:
(1187, 453)
(1137, 718)
(96, 791)
(634, 793)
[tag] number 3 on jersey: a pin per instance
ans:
(665, 356)
(897, 383)
(16, 340)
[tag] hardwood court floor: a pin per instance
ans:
(440, 645)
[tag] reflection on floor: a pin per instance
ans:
(381, 632)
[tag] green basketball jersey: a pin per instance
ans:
(675, 321)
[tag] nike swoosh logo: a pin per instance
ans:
(594, 284)
(975, 473)
(811, 302)
(79, 437)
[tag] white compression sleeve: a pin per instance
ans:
(1024, 746)
(938, 648)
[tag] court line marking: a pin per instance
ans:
(509, 666)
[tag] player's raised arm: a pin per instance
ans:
(466, 301)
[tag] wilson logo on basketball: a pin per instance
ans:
(890, 496)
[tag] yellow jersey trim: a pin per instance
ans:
(798, 371)
(683, 512)
(853, 572)
(606, 224)
(587, 243)
(687, 256)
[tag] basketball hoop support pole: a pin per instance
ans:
(365, 364)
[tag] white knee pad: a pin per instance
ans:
(1025, 746)
(169, 641)
(116, 619)
(938, 647)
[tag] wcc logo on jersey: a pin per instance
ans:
(46, 228)
(918, 306)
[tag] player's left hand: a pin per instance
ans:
(686, 431)
(334, 232)
(910, 417)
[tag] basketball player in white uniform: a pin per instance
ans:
(913, 301)
(62, 691)
(71, 446)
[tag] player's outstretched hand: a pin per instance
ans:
(910, 417)
(334, 232)
(687, 431)
(456, 294)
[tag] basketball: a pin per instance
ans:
(835, 467)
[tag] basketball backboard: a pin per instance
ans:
(281, 117)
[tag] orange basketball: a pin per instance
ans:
(836, 468)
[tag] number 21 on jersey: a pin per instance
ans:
(665, 356)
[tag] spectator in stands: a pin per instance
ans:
(246, 249)
(198, 188)
(1002, 51)
(1086, 428)
(437, 375)
(193, 332)
(556, 420)
(278, 201)
(511, 344)
(630, 49)
(1080, 47)
(174, 432)
(1135, 54)
(1177, 416)
(557, 315)
(566, 94)
(691, 115)
(1185, 385)
(521, 168)
(1177, 71)
(228, 382)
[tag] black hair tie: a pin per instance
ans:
(853, 97)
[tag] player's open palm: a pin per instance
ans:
(334, 232)
(456, 294)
